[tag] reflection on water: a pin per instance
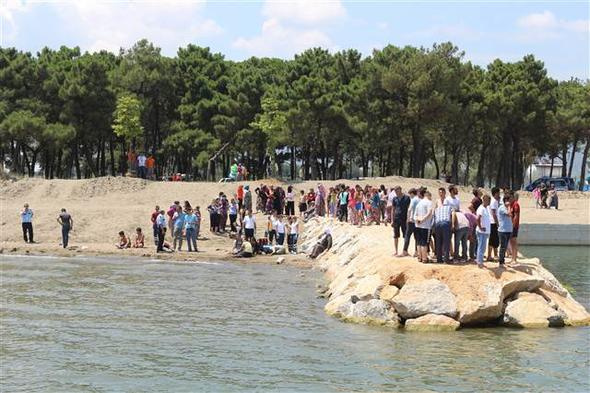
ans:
(136, 325)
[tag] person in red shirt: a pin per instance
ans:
(310, 197)
(240, 196)
(515, 207)
(154, 225)
(150, 163)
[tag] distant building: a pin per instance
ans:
(541, 166)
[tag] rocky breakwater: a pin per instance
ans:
(368, 285)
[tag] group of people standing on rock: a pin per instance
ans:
(440, 227)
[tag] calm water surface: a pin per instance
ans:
(98, 325)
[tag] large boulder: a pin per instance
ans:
(574, 314)
(368, 287)
(432, 323)
(388, 293)
(487, 303)
(339, 306)
(373, 312)
(425, 297)
(531, 311)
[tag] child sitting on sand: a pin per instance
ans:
(123, 241)
(138, 241)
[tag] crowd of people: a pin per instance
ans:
(546, 196)
(444, 232)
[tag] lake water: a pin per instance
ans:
(99, 324)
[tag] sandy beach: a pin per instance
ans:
(102, 207)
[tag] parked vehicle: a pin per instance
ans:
(560, 183)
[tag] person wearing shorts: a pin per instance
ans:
(423, 217)
(494, 238)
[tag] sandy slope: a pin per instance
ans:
(103, 206)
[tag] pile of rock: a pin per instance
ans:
(367, 287)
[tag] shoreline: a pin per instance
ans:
(38, 249)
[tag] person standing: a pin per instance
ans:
(410, 224)
(26, 217)
(151, 166)
(178, 219)
(504, 227)
(400, 205)
(190, 222)
(343, 204)
(233, 215)
(494, 240)
(515, 207)
(290, 198)
(423, 219)
(132, 161)
(198, 224)
(461, 229)
(293, 234)
(472, 235)
(442, 196)
(161, 226)
(476, 201)
(67, 224)
(453, 200)
(249, 225)
(240, 196)
(154, 217)
(442, 233)
(247, 198)
(483, 228)
(281, 230)
(141, 165)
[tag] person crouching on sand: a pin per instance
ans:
(123, 241)
(139, 240)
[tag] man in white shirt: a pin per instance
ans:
(494, 239)
(249, 225)
(482, 228)
(452, 199)
(161, 226)
(423, 219)
(141, 164)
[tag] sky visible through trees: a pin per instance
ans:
(407, 111)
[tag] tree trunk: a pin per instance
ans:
(584, 164)
(436, 167)
(467, 163)
(479, 176)
(400, 168)
(418, 153)
(564, 160)
(293, 163)
(551, 168)
(572, 156)
(112, 156)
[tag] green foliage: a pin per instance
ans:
(127, 123)
(403, 110)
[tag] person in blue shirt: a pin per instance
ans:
(504, 227)
(178, 227)
(190, 224)
(26, 216)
